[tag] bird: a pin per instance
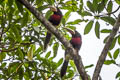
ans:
(76, 42)
(55, 20)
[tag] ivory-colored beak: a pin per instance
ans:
(70, 31)
(54, 9)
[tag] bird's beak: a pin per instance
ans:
(54, 9)
(70, 31)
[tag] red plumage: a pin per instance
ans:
(76, 42)
(55, 19)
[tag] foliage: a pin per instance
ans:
(22, 37)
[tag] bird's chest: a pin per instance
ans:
(76, 41)
(56, 17)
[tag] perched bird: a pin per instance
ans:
(76, 42)
(55, 19)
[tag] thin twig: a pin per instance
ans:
(8, 50)
(108, 13)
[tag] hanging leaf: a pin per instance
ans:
(108, 62)
(66, 17)
(48, 13)
(119, 39)
(97, 29)
(30, 53)
(73, 65)
(85, 13)
(48, 54)
(77, 21)
(117, 1)
(59, 62)
(50, 2)
(113, 43)
(109, 7)
(2, 56)
(25, 19)
(88, 27)
(19, 6)
(106, 31)
(89, 66)
(116, 53)
(95, 4)
(20, 54)
(109, 54)
(117, 75)
(90, 6)
(100, 7)
(108, 19)
(55, 49)
(106, 39)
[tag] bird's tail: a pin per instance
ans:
(64, 68)
(47, 40)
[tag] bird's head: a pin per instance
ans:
(73, 33)
(56, 10)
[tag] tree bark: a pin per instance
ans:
(106, 49)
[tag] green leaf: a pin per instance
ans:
(1, 1)
(108, 19)
(89, 66)
(50, 2)
(109, 54)
(77, 21)
(106, 39)
(73, 65)
(70, 74)
(95, 4)
(119, 39)
(19, 6)
(106, 30)
(10, 2)
(81, 5)
(108, 62)
(16, 33)
(48, 54)
(117, 1)
(55, 49)
(90, 6)
(48, 13)
(42, 7)
(85, 13)
(20, 54)
(3, 65)
(117, 75)
(109, 7)
(59, 62)
(97, 29)
(30, 53)
(88, 27)
(117, 51)
(25, 19)
(66, 17)
(113, 43)
(2, 56)
(100, 7)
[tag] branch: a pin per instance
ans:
(108, 13)
(8, 50)
(106, 49)
(54, 31)
(80, 67)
